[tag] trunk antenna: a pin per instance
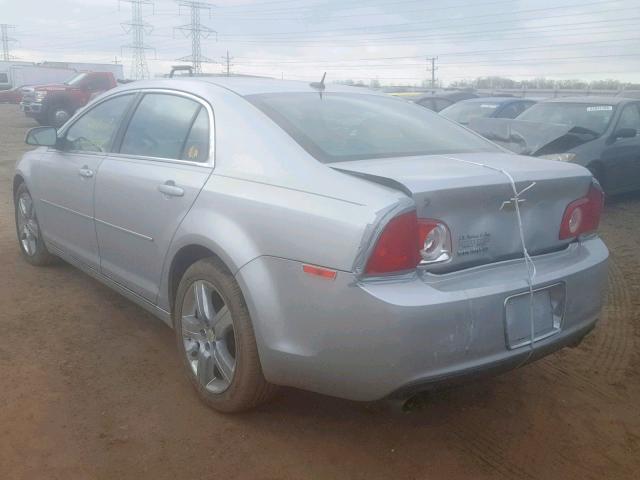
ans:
(319, 85)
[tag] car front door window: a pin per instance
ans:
(94, 131)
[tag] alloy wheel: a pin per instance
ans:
(208, 337)
(28, 231)
(60, 117)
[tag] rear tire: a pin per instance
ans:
(28, 230)
(223, 365)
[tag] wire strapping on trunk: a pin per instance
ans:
(528, 261)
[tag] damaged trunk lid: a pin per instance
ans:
(476, 202)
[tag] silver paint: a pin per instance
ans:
(265, 207)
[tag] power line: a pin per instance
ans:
(196, 31)
(417, 77)
(431, 23)
(482, 35)
(254, 14)
(138, 27)
(456, 53)
(593, 27)
(6, 41)
(431, 62)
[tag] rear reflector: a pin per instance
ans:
(582, 216)
(319, 272)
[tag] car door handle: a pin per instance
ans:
(85, 172)
(169, 188)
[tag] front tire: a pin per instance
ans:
(597, 171)
(58, 115)
(30, 240)
(215, 339)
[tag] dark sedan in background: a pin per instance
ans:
(488, 107)
(600, 133)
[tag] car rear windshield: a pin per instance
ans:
(464, 112)
(593, 117)
(337, 127)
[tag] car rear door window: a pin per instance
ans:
(94, 131)
(160, 126)
(196, 147)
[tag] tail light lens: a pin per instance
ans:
(407, 241)
(397, 247)
(582, 216)
(434, 240)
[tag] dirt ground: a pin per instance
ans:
(91, 388)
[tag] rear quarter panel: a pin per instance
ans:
(268, 197)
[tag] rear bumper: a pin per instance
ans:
(367, 340)
(542, 348)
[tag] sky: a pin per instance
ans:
(387, 40)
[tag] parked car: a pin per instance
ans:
(322, 237)
(13, 95)
(487, 107)
(442, 100)
(630, 94)
(54, 104)
(600, 133)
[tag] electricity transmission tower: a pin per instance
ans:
(432, 69)
(138, 27)
(196, 31)
(6, 40)
(227, 62)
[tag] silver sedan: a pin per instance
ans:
(321, 237)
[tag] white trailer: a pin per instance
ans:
(116, 69)
(36, 75)
(16, 74)
(5, 73)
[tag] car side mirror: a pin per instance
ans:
(42, 137)
(625, 133)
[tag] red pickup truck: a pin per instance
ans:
(55, 104)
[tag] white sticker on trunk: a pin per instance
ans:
(488, 105)
(600, 108)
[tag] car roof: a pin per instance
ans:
(590, 99)
(499, 100)
(248, 85)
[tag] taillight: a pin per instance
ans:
(582, 216)
(397, 247)
(407, 241)
(434, 240)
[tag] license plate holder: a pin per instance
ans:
(548, 313)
